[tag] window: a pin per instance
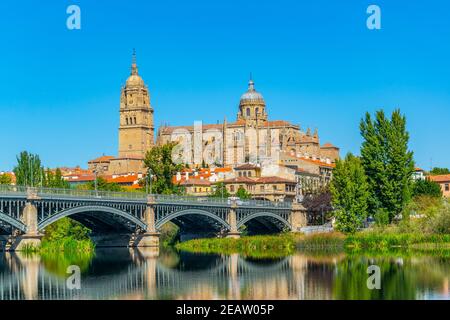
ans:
(261, 188)
(447, 187)
(274, 188)
(248, 112)
(231, 188)
(257, 111)
(249, 174)
(127, 120)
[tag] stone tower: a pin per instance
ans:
(136, 130)
(252, 107)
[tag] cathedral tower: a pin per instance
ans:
(252, 107)
(136, 130)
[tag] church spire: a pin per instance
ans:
(251, 84)
(134, 68)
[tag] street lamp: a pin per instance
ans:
(95, 182)
(149, 176)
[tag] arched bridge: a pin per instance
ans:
(28, 212)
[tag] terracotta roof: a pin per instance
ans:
(102, 159)
(440, 178)
(318, 162)
(239, 180)
(274, 180)
(123, 179)
(195, 182)
(246, 166)
(329, 145)
(80, 177)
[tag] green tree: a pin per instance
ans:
(159, 161)
(350, 194)
(55, 180)
(388, 164)
(220, 191)
(427, 188)
(243, 194)
(438, 171)
(66, 228)
(5, 179)
(28, 170)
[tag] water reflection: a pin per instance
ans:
(149, 274)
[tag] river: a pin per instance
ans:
(136, 274)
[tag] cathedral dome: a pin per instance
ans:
(135, 81)
(252, 96)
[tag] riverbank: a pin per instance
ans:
(66, 245)
(286, 244)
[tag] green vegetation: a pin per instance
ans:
(439, 171)
(220, 191)
(388, 164)
(349, 189)
(159, 161)
(65, 235)
(30, 172)
(243, 194)
(255, 246)
(426, 188)
(169, 234)
(5, 179)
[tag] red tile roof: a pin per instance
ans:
(123, 179)
(246, 166)
(102, 159)
(239, 180)
(440, 178)
(274, 180)
(195, 182)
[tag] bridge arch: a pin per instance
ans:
(13, 222)
(85, 209)
(263, 215)
(181, 213)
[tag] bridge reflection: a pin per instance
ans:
(146, 274)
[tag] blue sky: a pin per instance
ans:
(315, 62)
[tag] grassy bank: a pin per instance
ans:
(286, 244)
(256, 246)
(268, 246)
(375, 239)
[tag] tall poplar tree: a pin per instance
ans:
(388, 164)
(28, 171)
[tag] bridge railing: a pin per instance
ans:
(135, 196)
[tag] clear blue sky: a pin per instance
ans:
(315, 62)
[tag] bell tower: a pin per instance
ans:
(136, 130)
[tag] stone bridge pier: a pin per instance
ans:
(150, 238)
(298, 218)
(32, 237)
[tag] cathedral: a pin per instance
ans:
(252, 138)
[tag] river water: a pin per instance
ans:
(135, 274)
